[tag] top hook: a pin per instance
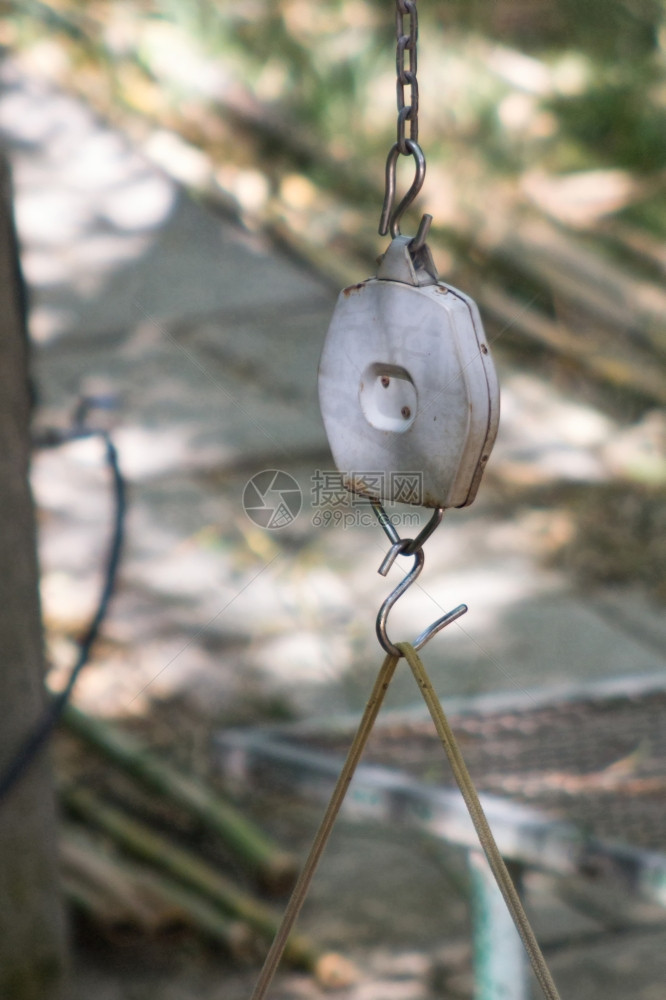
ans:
(408, 547)
(390, 217)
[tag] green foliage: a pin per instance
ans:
(616, 124)
(321, 65)
(314, 59)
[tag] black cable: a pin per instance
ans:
(53, 711)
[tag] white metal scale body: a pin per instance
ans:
(407, 389)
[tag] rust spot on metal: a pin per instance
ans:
(352, 288)
(356, 484)
(484, 349)
(386, 381)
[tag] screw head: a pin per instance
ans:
(406, 412)
(385, 381)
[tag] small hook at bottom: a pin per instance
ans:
(412, 547)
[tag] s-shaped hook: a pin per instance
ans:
(408, 547)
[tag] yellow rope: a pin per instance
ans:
(472, 802)
(323, 833)
(478, 817)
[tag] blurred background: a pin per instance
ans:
(194, 183)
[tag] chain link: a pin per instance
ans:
(407, 33)
(406, 72)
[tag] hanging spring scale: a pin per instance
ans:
(407, 387)
(410, 403)
(408, 391)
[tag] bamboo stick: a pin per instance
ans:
(550, 256)
(620, 371)
(559, 263)
(125, 898)
(274, 867)
(138, 839)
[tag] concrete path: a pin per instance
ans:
(210, 338)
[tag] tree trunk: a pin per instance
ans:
(32, 946)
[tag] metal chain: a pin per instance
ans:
(407, 33)
(406, 72)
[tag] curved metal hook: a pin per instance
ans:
(405, 546)
(390, 217)
(413, 547)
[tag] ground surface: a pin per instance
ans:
(209, 337)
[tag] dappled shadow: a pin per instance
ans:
(209, 337)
